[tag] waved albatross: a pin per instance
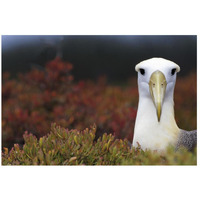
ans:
(155, 126)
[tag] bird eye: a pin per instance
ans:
(142, 71)
(173, 71)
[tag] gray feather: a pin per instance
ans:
(187, 139)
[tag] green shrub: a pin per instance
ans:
(73, 147)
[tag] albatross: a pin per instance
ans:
(155, 126)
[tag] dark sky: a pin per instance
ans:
(92, 56)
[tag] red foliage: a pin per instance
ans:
(38, 98)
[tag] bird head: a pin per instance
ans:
(156, 80)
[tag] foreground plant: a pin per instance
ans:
(73, 147)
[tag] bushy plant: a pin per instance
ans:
(72, 147)
(38, 98)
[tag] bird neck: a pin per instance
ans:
(150, 133)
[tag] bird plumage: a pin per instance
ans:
(187, 139)
(155, 126)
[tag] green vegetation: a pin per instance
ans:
(73, 147)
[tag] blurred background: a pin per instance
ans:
(78, 81)
(93, 56)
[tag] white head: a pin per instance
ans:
(156, 80)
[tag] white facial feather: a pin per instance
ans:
(152, 65)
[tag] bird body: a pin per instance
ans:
(155, 126)
(150, 133)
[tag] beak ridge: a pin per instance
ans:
(157, 87)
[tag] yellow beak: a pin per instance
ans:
(157, 86)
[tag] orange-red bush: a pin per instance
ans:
(38, 98)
